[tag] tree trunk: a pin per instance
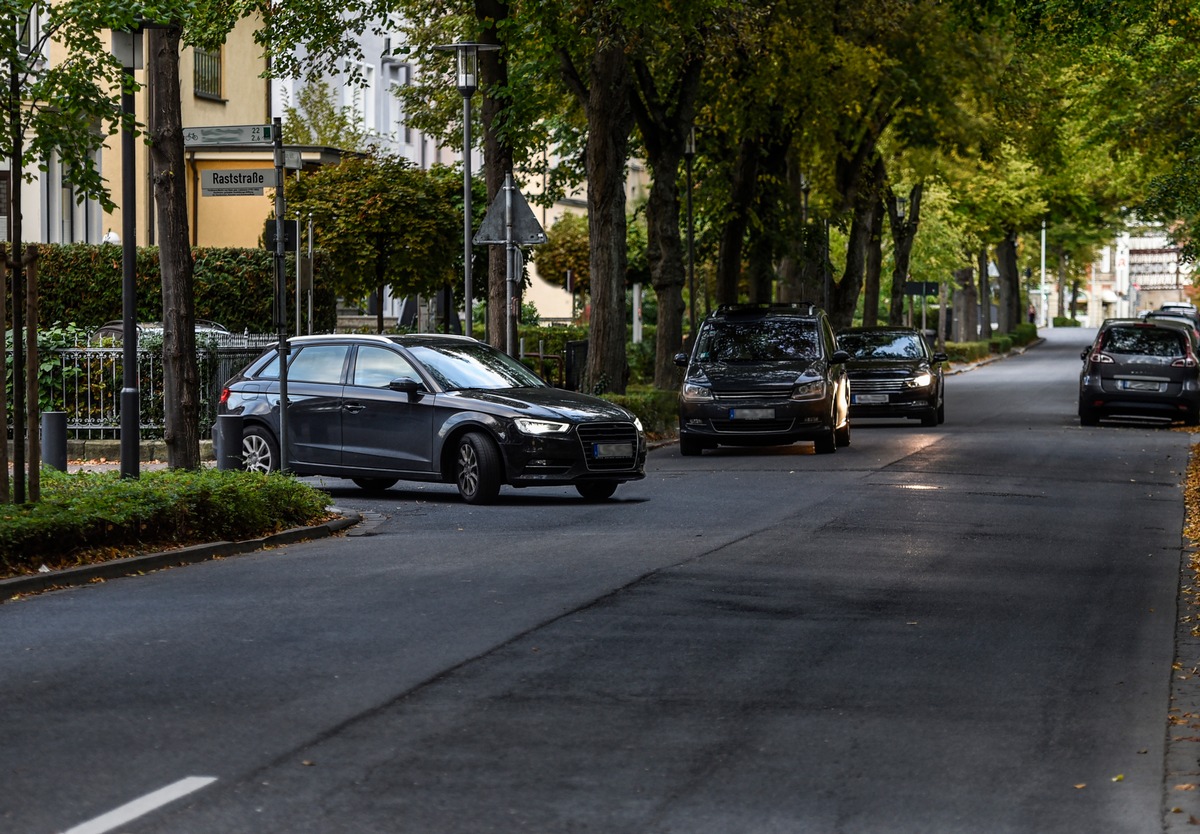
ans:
(664, 252)
(610, 120)
(1010, 283)
(874, 268)
(845, 293)
(497, 161)
(985, 297)
(181, 386)
(966, 306)
(733, 232)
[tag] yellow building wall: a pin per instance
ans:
(213, 221)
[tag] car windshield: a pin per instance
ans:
(462, 365)
(881, 345)
(1143, 341)
(763, 340)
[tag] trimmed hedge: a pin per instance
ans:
(81, 283)
(86, 513)
(1066, 321)
(967, 351)
(657, 409)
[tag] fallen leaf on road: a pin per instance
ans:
(1081, 786)
(1185, 787)
(1120, 777)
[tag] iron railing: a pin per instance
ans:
(85, 382)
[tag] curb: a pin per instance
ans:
(86, 574)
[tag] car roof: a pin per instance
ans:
(881, 328)
(378, 338)
(794, 309)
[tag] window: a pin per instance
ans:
(362, 101)
(321, 363)
(377, 367)
(207, 73)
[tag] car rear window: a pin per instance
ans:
(1143, 341)
(762, 340)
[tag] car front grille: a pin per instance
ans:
(752, 426)
(763, 394)
(593, 436)
(879, 386)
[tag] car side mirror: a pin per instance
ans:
(839, 357)
(940, 357)
(407, 385)
(1084, 355)
(681, 359)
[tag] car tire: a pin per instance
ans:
(941, 412)
(826, 444)
(260, 452)
(596, 490)
(841, 436)
(1088, 416)
(690, 446)
(930, 417)
(374, 484)
(477, 469)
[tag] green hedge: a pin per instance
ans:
(1066, 321)
(85, 512)
(81, 283)
(967, 351)
(657, 409)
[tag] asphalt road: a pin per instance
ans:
(962, 629)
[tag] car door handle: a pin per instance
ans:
(353, 408)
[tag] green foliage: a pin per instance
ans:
(316, 120)
(967, 351)
(1000, 344)
(81, 283)
(657, 409)
(565, 249)
(1066, 321)
(1024, 333)
(101, 511)
(383, 222)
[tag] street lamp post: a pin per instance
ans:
(689, 153)
(467, 57)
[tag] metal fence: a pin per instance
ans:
(85, 382)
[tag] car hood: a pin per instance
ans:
(545, 402)
(735, 375)
(886, 367)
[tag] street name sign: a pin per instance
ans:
(228, 135)
(236, 182)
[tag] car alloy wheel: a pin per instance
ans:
(259, 450)
(477, 469)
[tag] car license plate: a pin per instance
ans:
(612, 450)
(1140, 385)
(751, 414)
(868, 399)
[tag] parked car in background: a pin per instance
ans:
(894, 372)
(115, 330)
(1140, 368)
(1179, 317)
(429, 407)
(762, 375)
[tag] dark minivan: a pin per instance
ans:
(1140, 368)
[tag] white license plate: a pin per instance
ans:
(868, 399)
(1139, 385)
(751, 414)
(612, 450)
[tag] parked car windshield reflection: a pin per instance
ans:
(467, 366)
(1142, 342)
(881, 345)
(763, 340)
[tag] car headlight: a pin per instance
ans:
(525, 425)
(809, 390)
(921, 380)
(696, 393)
(637, 424)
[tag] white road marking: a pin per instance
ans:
(142, 806)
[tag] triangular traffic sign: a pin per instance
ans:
(526, 231)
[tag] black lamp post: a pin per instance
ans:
(467, 57)
(689, 153)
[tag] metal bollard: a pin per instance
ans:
(54, 439)
(227, 441)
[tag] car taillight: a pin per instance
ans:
(224, 396)
(1102, 358)
(1188, 361)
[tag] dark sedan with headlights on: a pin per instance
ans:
(428, 407)
(894, 373)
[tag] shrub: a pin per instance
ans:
(1024, 333)
(657, 409)
(1066, 321)
(966, 351)
(1000, 344)
(83, 513)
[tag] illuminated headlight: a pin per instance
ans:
(809, 390)
(540, 427)
(637, 424)
(696, 393)
(920, 381)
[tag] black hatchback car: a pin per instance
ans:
(894, 373)
(1140, 368)
(378, 409)
(763, 375)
